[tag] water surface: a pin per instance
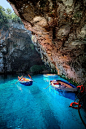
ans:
(35, 107)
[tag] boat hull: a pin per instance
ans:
(27, 83)
(68, 90)
(50, 75)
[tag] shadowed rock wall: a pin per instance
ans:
(17, 52)
(59, 33)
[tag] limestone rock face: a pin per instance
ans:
(17, 52)
(58, 32)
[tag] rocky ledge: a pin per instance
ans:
(58, 32)
(17, 52)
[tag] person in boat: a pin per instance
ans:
(62, 86)
(21, 78)
(59, 85)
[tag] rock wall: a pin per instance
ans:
(17, 52)
(59, 33)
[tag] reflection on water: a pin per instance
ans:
(34, 107)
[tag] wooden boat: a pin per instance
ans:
(25, 81)
(50, 75)
(63, 86)
(64, 89)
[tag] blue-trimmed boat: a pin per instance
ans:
(25, 81)
(62, 85)
(65, 89)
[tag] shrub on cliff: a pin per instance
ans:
(16, 19)
(3, 17)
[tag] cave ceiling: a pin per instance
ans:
(59, 32)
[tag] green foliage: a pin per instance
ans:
(6, 27)
(5, 15)
(36, 69)
(8, 11)
(78, 14)
(53, 71)
(69, 80)
(32, 46)
(16, 19)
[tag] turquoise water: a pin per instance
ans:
(35, 107)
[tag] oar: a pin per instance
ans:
(29, 76)
(47, 86)
(14, 83)
(20, 77)
(18, 80)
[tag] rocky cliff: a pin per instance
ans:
(59, 33)
(17, 52)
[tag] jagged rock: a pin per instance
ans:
(58, 27)
(1, 55)
(17, 53)
(77, 44)
(69, 6)
(82, 33)
(63, 31)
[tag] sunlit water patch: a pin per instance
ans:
(35, 107)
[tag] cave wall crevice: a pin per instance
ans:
(58, 31)
(17, 50)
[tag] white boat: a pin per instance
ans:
(50, 75)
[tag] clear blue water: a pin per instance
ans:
(35, 107)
